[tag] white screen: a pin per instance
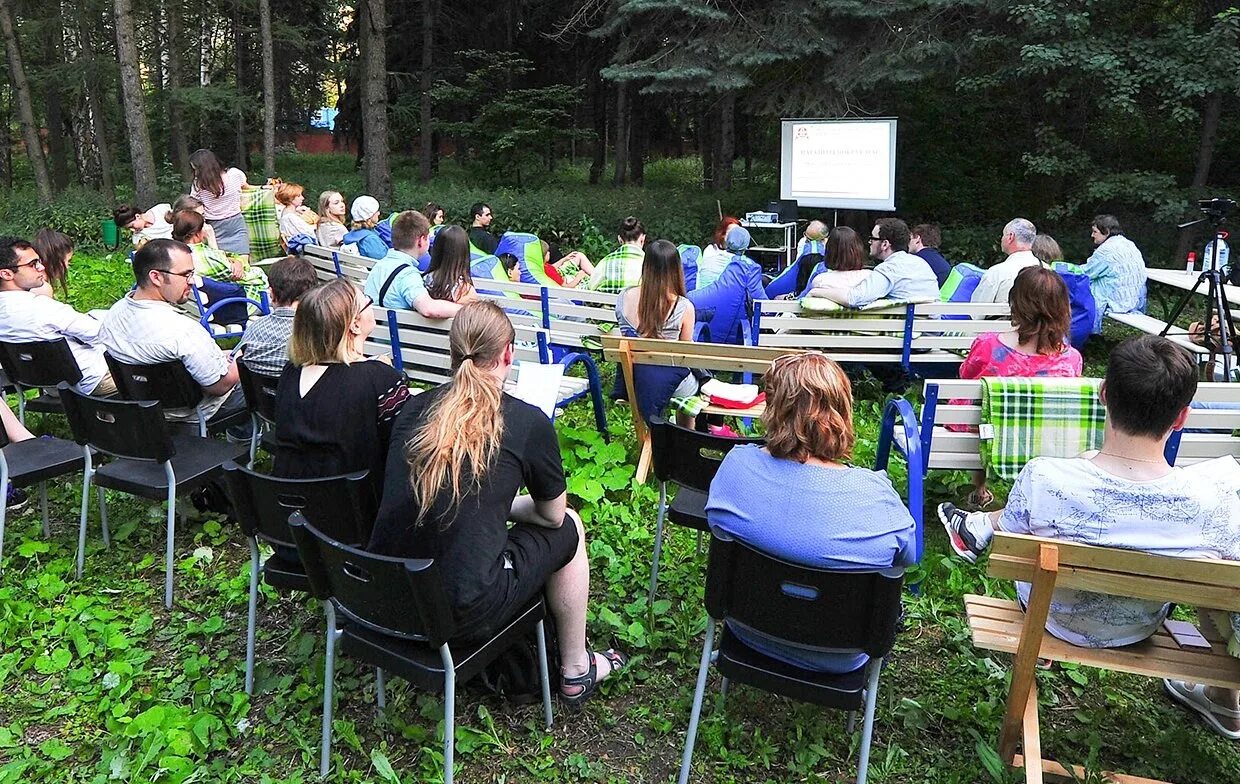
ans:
(841, 164)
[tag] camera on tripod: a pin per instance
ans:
(1216, 209)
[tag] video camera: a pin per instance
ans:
(1216, 209)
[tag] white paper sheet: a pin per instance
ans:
(539, 385)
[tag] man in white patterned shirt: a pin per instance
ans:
(145, 328)
(264, 348)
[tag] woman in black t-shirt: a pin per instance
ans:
(459, 455)
(334, 407)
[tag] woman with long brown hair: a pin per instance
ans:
(56, 251)
(459, 455)
(448, 277)
(219, 190)
(845, 266)
(797, 499)
(332, 212)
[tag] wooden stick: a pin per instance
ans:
(1025, 665)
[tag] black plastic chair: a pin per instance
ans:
(260, 401)
(169, 384)
(837, 612)
(680, 456)
(343, 506)
(396, 616)
(34, 461)
(147, 461)
(39, 365)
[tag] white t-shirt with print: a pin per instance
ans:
(1189, 513)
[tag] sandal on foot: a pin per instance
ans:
(1196, 699)
(979, 499)
(589, 681)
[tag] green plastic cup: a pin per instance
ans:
(111, 234)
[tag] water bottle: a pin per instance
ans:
(1208, 262)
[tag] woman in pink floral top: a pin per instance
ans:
(1036, 345)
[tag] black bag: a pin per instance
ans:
(514, 675)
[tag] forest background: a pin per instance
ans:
(1051, 110)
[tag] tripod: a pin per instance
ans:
(1217, 305)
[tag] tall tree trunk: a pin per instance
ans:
(6, 125)
(241, 156)
(94, 103)
(269, 89)
(1205, 157)
(637, 140)
(727, 142)
(426, 163)
(140, 153)
(54, 102)
(622, 133)
(599, 117)
(706, 133)
(372, 20)
(176, 81)
(25, 109)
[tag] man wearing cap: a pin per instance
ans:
(711, 266)
(362, 238)
(899, 275)
(27, 317)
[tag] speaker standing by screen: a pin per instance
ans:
(839, 164)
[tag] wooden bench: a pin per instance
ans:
(1001, 625)
(1154, 326)
(948, 449)
(332, 263)
(907, 335)
(419, 348)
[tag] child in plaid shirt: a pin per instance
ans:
(622, 268)
(213, 263)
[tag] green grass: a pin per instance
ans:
(99, 683)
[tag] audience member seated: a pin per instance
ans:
(1080, 296)
(264, 347)
(291, 213)
(434, 214)
(658, 308)
(1016, 242)
(14, 498)
(449, 276)
(395, 282)
(1116, 270)
(146, 226)
(334, 407)
(813, 238)
(331, 229)
(736, 245)
(479, 236)
(622, 268)
(843, 518)
(1126, 496)
(1036, 345)
(459, 455)
(55, 250)
(924, 239)
(845, 261)
(27, 317)
(219, 190)
(362, 239)
(899, 275)
(145, 327)
(716, 254)
(185, 202)
(188, 227)
(569, 270)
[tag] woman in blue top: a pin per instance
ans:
(362, 236)
(796, 499)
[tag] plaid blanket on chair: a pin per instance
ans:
(1023, 418)
(259, 208)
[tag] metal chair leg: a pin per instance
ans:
(699, 543)
(687, 760)
(170, 543)
(723, 689)
(88, 473)
(867, 724)
(4, 511)
(543, 674)
(254, 436)
(658, 542)
(449, 712)
(47, 528)
(329, 677)
(253, 617)
(380, 689)
(103, 517)
(852, 721)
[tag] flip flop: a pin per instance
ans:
(1195, 699)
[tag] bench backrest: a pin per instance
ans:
(420, 348)
(717, 357)
(1198, 582)
(331, 263)
(902, 334)
(959, 402)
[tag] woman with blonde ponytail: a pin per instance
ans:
(459, 455)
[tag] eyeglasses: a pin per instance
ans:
(32, 263)
(876, 239)
(187, 274)
(366, 303)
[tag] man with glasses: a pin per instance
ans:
(479, 234)
(899, 275)
(145, 328)
(27, 317)
(1016, 242)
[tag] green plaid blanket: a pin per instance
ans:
(690, 406)
(1023, 418)
(259, 208)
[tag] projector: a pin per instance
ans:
(762, 217)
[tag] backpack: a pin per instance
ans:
(514, 675)
(1081, 298)
(961, 283)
